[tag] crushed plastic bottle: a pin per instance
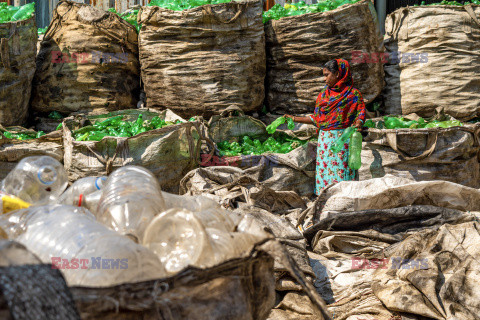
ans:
(272, 127)
(77, 192)
(24, 12)
(36, 180)
(290, 124)
(11, 13)
(87, 253)
(131, 199)
(338, 145)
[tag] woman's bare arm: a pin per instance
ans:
(306, 120)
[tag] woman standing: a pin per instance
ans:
(338, 107)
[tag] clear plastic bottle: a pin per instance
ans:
(210, 213)
(179, 239)
(88, 253)
(229, 245)
(92, 200)
(77, 192)
(131, 199)
(37, 180)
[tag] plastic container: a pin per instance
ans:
(272, 127)
(338, 145)
(37, 180)
(91, 201)
(131, 199)
(25, 12)
(179, 239)
(355, 151)
(210, 213)
(87, 253)
(77, 192)
(229, 245)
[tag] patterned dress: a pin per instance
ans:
(331, 167)
(336, 109)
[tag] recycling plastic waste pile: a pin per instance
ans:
(23, 135)
(296, 9)
(402, 123)
(448, 3)
(247, 146)
(11, 13)
(130, 16)
(124, 217)
(117, 127)
(177, 5)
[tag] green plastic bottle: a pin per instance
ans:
(338, 145)
(369, 124)
(393, 123)
(355, 150)
(290, 124)
(24, 12)
(271, 128)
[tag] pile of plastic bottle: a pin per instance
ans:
(26, 135)
(11, 13)
(402, 123)
(124, 218)
(449, 3)
(129, 16)
(295, 9)
(179, 5)
(117, 127)
(247, 146)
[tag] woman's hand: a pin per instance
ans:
(358, 125)
(286, 116)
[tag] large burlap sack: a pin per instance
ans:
(203, 60)
(299, 46)
(434, 274)
(18, 49)
(88, 62)
(169, 152)
(422, 154)
(390, 192)
(13, 150)
(348, 248)
(439, 60)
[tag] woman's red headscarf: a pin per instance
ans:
(340, 106)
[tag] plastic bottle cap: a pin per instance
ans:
(103, 179)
